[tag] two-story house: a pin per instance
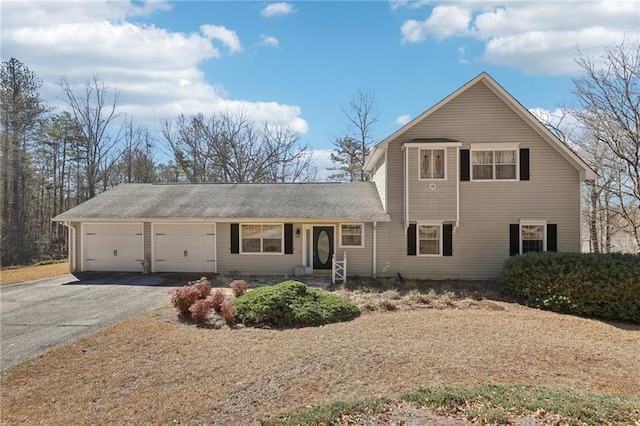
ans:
(455, 192)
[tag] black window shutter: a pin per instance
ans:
(235, 238)
(514, 239)
(465, 161)
(288, 238)
(447, 239)
(524, 164)
(552, 237)
(411, 240)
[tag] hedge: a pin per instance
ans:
(291, 303)
(590, 284)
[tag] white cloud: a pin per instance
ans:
(277, 9)
(536, 37)
(403, 119)
(228, 37)
(156, 70)
(443, 22)
(270, 41)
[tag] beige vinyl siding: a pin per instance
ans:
(147, 241)
(426, 203)
(481, 242)
(76, 245)
(358, 258)
(380, 179)
(255, 264)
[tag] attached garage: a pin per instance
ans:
(180, 247)
(112, 247)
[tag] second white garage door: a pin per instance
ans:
(184, 247)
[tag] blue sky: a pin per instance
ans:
(300, 62)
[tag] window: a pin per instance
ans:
(432, 164)
(352, 235)
(429, 239)
(494, 165)
(261, 238)
(532, 237)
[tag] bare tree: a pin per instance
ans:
(609, 95)
(227, 147)
(95, 109)
(351, 150)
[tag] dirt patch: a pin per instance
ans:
(148, 370)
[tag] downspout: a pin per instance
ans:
(375, 245)
(406, 189)
(457, 188)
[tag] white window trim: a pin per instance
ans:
(439, 224)
(495, 147)
(350, 246)
(529, 222)
(262, 253)
(432, 148)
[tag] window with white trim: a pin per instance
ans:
(262, 238)
(429, 240)
(532, 238)
(432, 164)
(352, 235)
(494, 165)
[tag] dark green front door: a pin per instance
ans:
(322, 247)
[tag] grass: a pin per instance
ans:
(492, 403)
(154, 369)
(35, 272)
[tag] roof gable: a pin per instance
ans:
(511, 102)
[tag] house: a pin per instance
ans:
(455, 192)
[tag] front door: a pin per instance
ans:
(322, 247)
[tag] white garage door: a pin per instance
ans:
(184, 247)
(113, 247)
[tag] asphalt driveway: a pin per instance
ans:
(40, 315)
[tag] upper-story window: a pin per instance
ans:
(432, 164)
(494, 165)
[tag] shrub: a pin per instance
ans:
(200, 310)
(228, 312)
(600, 285)
(183, 297)
(202, 286)
(217, 299)
(292, 303)
(239, 287)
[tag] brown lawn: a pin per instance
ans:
(154, 370)
(29, 273)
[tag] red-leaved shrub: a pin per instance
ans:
(183, 297)
(239, 287)
(202, 286)
(228, 312)
(216, 300)
(200, 310)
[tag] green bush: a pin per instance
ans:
(599, 285)
(291, 303)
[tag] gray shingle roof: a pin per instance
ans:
(321, 201)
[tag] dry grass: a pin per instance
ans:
(29, 273)
(154, 369)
